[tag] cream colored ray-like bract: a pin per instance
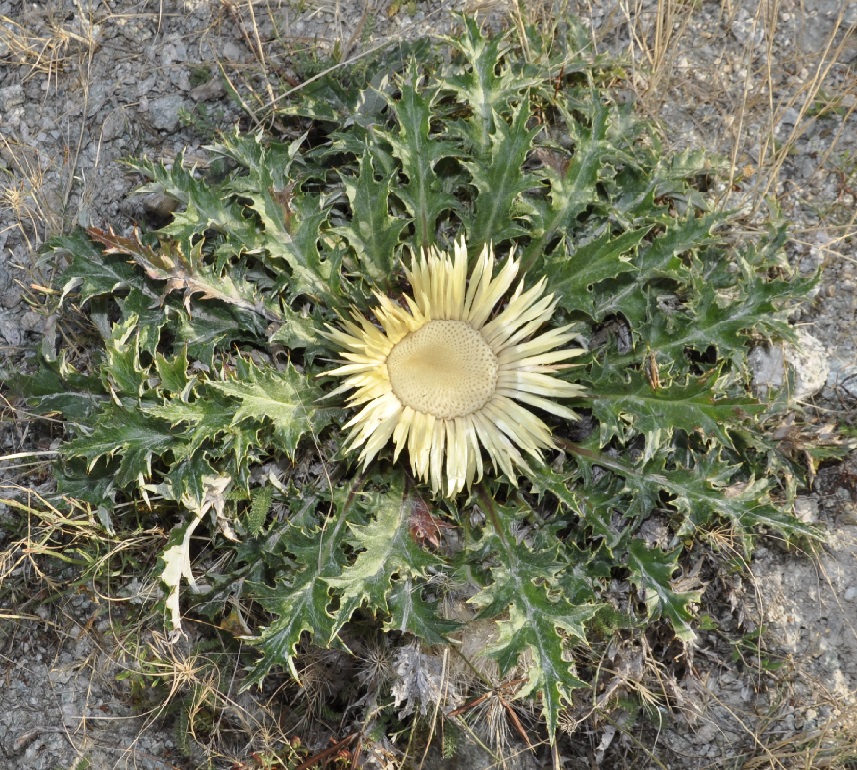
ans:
(446, 378)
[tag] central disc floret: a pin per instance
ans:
(445, 369)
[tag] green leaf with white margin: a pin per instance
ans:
(173, 373)
(714, 490)
(592, 506)
(572, 276)
(301, 331)
(123, 429)
(484, 84)
(213, 326)
(90, 272)
(285, 399)
(500, 178)
(291, 219)
(661, 258)
(388, 550)
(371, 232)
(183, 266)
(410, 612)
(56, 387)
(651, 572)
(424, 193)
(728, 317)
(526, 584)
(121, 369)
(300, 598)
(634, 406)
(206, 206)
(207, 418)
(572, 184)
(715, 487)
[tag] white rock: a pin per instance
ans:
(808, 360)
(806, 509)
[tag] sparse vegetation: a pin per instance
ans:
(195, 430)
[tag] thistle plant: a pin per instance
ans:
(482, 261)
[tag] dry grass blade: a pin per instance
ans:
(47, 45)
(804, 99)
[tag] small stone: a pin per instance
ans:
(213, 89)
(10, 330)
(11, 96)
(806, 509)
(164, 112)
(231, 51)
(114, 125)
(807, 361)
(180, 79)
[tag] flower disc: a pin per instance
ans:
(445, 369)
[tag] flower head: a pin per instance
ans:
(446, 377)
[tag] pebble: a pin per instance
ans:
(808, 363)
(164, 112)
(10, 97)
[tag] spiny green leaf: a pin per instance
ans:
(572, 183)
(90, 271)
(714, 490)
(500, 178)
(311, 271)
(351, 97)
(206, 419)
(96, 486)
(410, 612)
(372, 232)
(595, 507)
(291, 219)
(299, 600)
(717, 488)
(300, 331)
(725, 318)
(387, 549)
(186, 477)
(153, 316)
(121, 367)
(300, 606)
(540, 616)
(284, 399)
(57, 388)
(484, 83)
(659, 258)
(424, 193)
(572, 276)
(173, 372)
(651, 571)
(206, 207)
(182, 266)
(213, 327)
(636, 406)
(124, 430)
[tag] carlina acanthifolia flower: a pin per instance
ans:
(445, 379)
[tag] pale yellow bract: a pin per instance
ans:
(445, 378)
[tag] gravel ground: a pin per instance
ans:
(771, 86)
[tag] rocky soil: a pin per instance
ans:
(770, 86)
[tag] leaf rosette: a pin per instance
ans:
(394, 198)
